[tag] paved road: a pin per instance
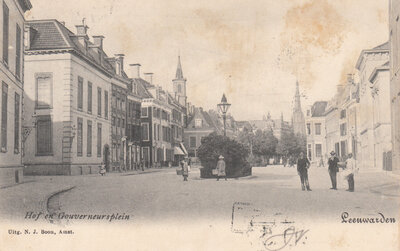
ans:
(169, 214)
(163, 196)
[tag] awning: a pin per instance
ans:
(183, 148)
(178, 151)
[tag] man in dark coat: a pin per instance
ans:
(302, 169)
(333, 169)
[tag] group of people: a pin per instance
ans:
(349, 169)
(221, 173)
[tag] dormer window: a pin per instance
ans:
(118, 68)
(198, 123)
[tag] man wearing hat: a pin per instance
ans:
(221, 168)
(333, 169)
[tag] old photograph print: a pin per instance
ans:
(199, 125)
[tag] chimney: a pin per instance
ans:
(98, 41)
(120, 63)
(149, 77)
(135, 70)
(81, 33)
(30, 33)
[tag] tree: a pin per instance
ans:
(265, 143)
(291, 144)
(235, 155)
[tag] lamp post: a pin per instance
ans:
(223, 108)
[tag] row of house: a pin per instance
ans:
(67, 107)
(364, 117)
(357, 119)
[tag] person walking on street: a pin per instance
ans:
(185, 170)
(333, 169)
(221, 168)
(302, 169)
(351, 170)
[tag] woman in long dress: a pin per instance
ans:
(221, 168)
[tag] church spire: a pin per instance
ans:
(297, 103)
(179, 73)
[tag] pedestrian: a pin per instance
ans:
(302, 169)
(103, 169)
(185, 170)
(350, 170)
(221, 168)
(333, 169)
(321, 162)
(142, 164)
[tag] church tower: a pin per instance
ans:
(179, 85)
(298, 121)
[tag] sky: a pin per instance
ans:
(254, 51)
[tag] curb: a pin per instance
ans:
(45, 203)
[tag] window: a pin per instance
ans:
(79, 136)
(158, 132)
(343, 129)
(18, 52)
(44, 144)
(318, 150)
(343, 148)
(179, 88)
(106, 104)
(198, 123)
(89, 90)
(44, 89)
(99, 140)
(145, 131)
(308, 128)
(318, 129)
(309, 149)
(113, 121)
(343, 114)
(4, 99)
(80, 93)
(5, 32)
(89, 138)
(16, 123)
(123, 123)
(144, 112)
(99, 101)
(192, 142)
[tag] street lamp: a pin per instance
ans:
(223, 108)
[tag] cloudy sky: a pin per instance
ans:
(254, 51)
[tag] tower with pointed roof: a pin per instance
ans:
(179, 85)
(298, 121)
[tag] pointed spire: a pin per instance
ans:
(281, 116)
(269, 116)
(179, 73)
(297, 88)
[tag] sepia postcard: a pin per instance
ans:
(200, 125)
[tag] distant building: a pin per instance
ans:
(298, 121)
(367, 62)
(315, 130)
(12, 84)
(394, 37)
(200, 125)
(278, 126)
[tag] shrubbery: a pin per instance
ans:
(235, 155)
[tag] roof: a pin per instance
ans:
(51, 35)
(25, 4)
(141, 87)
(318, 109)
(179, 73)
(384, 67)
(382, 47)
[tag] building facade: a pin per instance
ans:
(12, 83)
(394, 39)
(380, 91)
(67, 100)
(315, 130)
(366, 64)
